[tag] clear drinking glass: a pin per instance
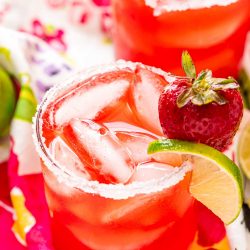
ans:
(86, 214)
(89, 213)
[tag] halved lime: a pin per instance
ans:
(244, 150)
(216, 180)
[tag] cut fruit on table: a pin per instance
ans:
(216, 180)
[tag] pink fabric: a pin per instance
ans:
(39, 237)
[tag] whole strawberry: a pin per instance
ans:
(201, 109)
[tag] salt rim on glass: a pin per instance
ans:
(113, 191)
(161, 6)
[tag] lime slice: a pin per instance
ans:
(7, 102)
(216, 180)
(244, 150)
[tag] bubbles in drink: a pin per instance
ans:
(98, 148)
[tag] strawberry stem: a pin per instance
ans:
(204, 88)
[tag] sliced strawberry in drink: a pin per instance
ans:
(152, 170)
(94, 98)
(100, 150)
(145, 93)
(67, 159)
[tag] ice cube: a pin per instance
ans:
(93, 99)
(117, 126)
(100, 150)
(134, 138)
(146, 90)
(67, 159)
(137, 143)
(152, 170)
(121, 115)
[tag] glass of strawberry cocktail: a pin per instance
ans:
(103, 189)
(156, 32)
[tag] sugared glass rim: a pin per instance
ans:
(173, 5)
(113, 191)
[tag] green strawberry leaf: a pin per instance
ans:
(188, 65)
(203, 75)
(184, 97)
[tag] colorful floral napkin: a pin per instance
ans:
(39, 45)
(45, 51)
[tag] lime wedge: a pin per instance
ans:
(244, 150)
(216, 180)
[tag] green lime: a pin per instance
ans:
(7, 102)
(244, 150)
(216, 180)
(26, 105)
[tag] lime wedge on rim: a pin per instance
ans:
(216, 180)
(244, 150)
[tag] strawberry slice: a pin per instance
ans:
(99, 150)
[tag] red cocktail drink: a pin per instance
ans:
(103, 190)
(156, 33)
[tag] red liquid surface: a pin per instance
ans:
(164, 219)
(214, 36)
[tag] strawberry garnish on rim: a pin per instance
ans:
(201, 108)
